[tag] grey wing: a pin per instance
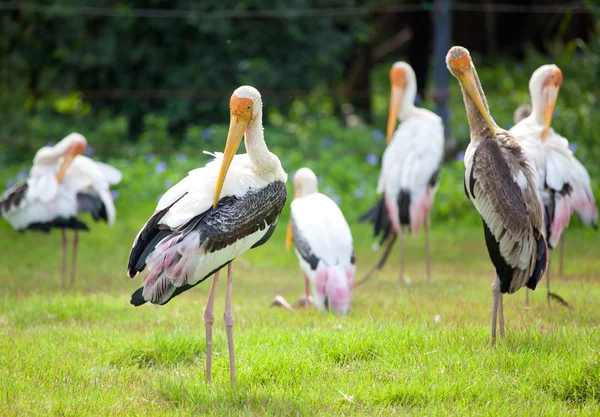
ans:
(505, 195)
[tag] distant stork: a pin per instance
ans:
(563, 182)
(323, 244)
(212, 216)
(62, 183)
(501, 184)
(410, 168)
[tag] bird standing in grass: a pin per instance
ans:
(62, 184)
(211, 217)
(501, 183)
(409, 171)
(323, 244)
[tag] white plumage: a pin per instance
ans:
(323, 244)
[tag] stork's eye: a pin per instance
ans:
(249, 107)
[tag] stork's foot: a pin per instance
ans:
(279, 301)
(304, 301)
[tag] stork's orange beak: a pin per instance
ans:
(550, 89)
(75, 149)
(398, 84)
(240, 117)
(288, 236)
(462, 69)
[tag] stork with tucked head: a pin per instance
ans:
(501, 184)
(562, 181)
(62, 183)
(409, 170)
(323, 244)
(211, 217)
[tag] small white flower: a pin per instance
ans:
(437, 318)
(407, 281)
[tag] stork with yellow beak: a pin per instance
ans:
(212, 216)
(62, 184)
(556, 168)
(410, 168)
(501, 184)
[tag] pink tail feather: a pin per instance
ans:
(562, 217)
(419, 210)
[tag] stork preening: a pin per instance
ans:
(62, 183)
(323, 244)
(209, 218)
(562, 181)
(409, 170)
(501, 183)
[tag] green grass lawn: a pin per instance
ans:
(418, 349)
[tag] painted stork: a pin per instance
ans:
(558, 172)
(211, 217)
(62, 183)
(323, 244)
(501, 184)
(410, 168)
(582, 196)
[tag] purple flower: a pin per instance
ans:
(22, 176)
(207, 133)
(181, 157)
(418, 98)
(50, 144)
(9, 184)
(168, 183)
(337, 199)
(556, 114)
(89, 151)
(359, 193)
(159, 197)
(326, 144)
(328, 190)
(160, 167)
(149, 157)
(377, 135)
(115, 194)
(372, 159)
(319, 180)
(573, 147)
(460, 156)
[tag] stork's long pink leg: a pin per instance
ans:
(74, 260)
(427, 253)
(209, 319)
(228, 318)
(548, 279)
(526, 298)
(561, 254)
(501, 311)
(306, 288)
(496, 299)
(402, 253)
(64, 259)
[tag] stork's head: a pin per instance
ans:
(458, 61)
(403, 91)
(73, 145)
(305, 182)
(543, 87)
(245, 107)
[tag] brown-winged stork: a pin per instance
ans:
(323, 244)
(410, 168)
(553, 153)
(501, 184)
(62, 183)
(211, 217)
(560, 177)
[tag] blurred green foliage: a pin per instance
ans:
(304, 132)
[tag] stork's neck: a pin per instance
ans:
(408, 102)
(263, 161)
(537, 107)
(50, 155)
(477, 125)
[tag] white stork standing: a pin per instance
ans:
(211, 217)
(62, 183)
(323, 244)
(558, 172)
(582, 196)
(410, 168)
(501, 184)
